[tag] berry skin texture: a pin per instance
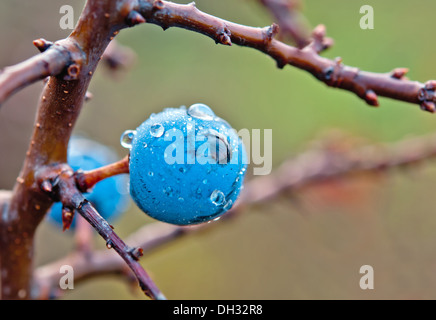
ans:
(109, 196)
(186, 166)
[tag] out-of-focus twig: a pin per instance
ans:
(117, 56)
(310, 167)
(292, 23)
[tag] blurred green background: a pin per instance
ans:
(277, 250)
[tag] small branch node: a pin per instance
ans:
(73, 72)
(224, 36)
(67, 217)
(158, 5)
(320, 42)
(371, 98)
(270, 32)
(42, 44)
(399, 73)
(427, 96)
(134, 18)
(136, 253)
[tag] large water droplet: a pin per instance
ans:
(217, 197)
(220, 148)
(201, 111)
(127, 138)
(157, 130)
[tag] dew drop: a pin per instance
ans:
(127, 138)
(168, 191)
(217, 197)
(157, 130)
(109, 244)
(199, 190)
(181, 199)
(150, 173)
(220, 148)
(182, 169)
(228, 205)
(205, 181)
(201, 111)
(144, 144)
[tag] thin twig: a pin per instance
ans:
(366, 85)
(54, 60)
(87, 179)
(290, 20)
(59, 183)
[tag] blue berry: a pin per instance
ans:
(109, 196)
(186, 166)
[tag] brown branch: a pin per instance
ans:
(366, 85)
(58, 110)
(59, 183)
(54, 60)
(308, 168)
(87, 179)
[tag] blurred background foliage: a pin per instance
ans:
(279, 250)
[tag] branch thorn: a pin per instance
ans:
(134, 18)
(42, 44)
(399, 73)
(67, 217)
(371, 98)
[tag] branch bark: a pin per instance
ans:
(58, 110)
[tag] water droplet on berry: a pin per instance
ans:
(150, 173)
(127, 138)
(199, 190)
(204, 181)
(201, 111)
(157, 130)
(228, 205)
(182, 169)
(168, 191)
(144, 144)
(181, 199)
(220, 148)
(217, 197)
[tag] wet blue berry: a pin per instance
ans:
(187, 166)
(110, 196)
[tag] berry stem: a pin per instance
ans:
(85, 180)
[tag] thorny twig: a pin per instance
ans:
(59, 183)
